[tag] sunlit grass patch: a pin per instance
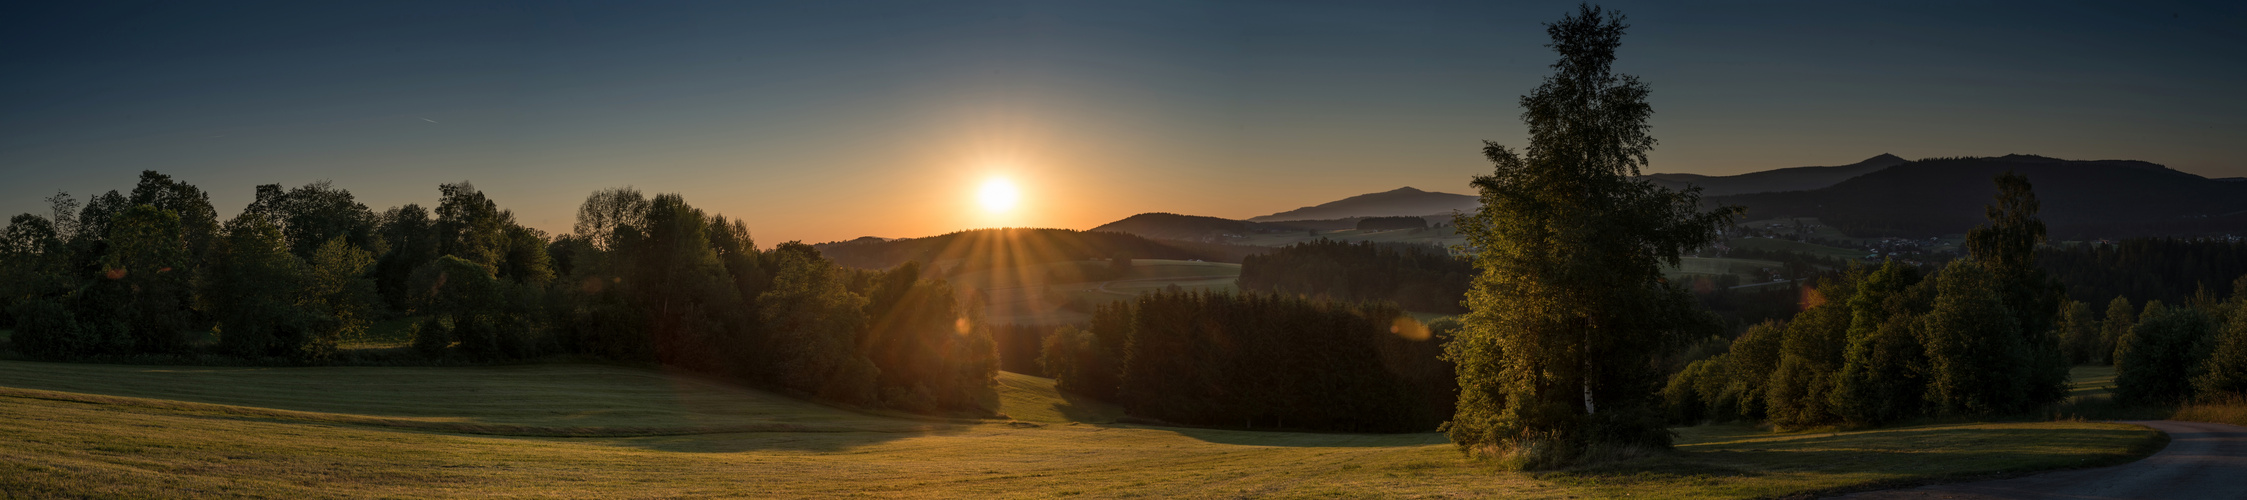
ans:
(140, 431)
(2227, 411)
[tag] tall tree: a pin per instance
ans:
(1978, 364)
(413, 241)
(814, 326)
(145, 275)
(1882, 372)
(2120, 317)
(1569, 315)
(197, 220)
(252, 287)
(2006, 246)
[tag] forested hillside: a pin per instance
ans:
(1171, 226)
(2082, 199)
(1415, 277)
(1768, 181)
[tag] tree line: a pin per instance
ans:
(1417, 277)
(2171, 270)
(639, 280)
(1991, 335)
(1258, 360)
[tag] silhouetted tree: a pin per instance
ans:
(253, 288)
(1570, 312)
(814, 325)
(2006, 247)
(145, 279)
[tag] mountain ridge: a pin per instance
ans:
(1400, 202)
(1775, 180)
(2079, 198)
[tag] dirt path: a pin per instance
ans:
(2202, 461)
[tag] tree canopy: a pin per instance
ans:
(1570, 312)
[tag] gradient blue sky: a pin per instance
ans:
(829, 120)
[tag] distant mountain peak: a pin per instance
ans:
(1885, 158)
(1406, 189)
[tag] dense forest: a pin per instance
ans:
(1416, 277)
(1254, 360)
(1989, 336)
(2171, 270)
(155, 275)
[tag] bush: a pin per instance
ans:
(2157, 361)
(432, 336)
(46, 330)
(2225, 375)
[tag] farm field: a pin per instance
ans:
(1438, 236)
(2093, 398)
(1774, 244)
(1040, 300)
(1711, 266)
(605, 431)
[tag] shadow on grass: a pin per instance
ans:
(1669, 468)
(801, 441)
(1083, 409)
(1891, 458)
(1303, 438)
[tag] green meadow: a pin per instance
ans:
(609, 431)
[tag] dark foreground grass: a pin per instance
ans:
(136, 431)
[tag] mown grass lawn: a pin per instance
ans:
(2093, 399)
(139, 431)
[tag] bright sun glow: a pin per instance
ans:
(999, 195)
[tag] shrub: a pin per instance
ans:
(2157, 361)
(2225, 374)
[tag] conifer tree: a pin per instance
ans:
(1569, 312)
(2006, 247)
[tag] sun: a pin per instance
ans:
(998, 195)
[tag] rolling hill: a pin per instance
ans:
(1169, 226)
(1404, 201)
(1785, 179)
(1018, 247)
(2080, 199)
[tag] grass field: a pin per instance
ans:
(1744, 268)
(2093, 399)
(138, 431)
(1438, 236)
(1041, 303)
